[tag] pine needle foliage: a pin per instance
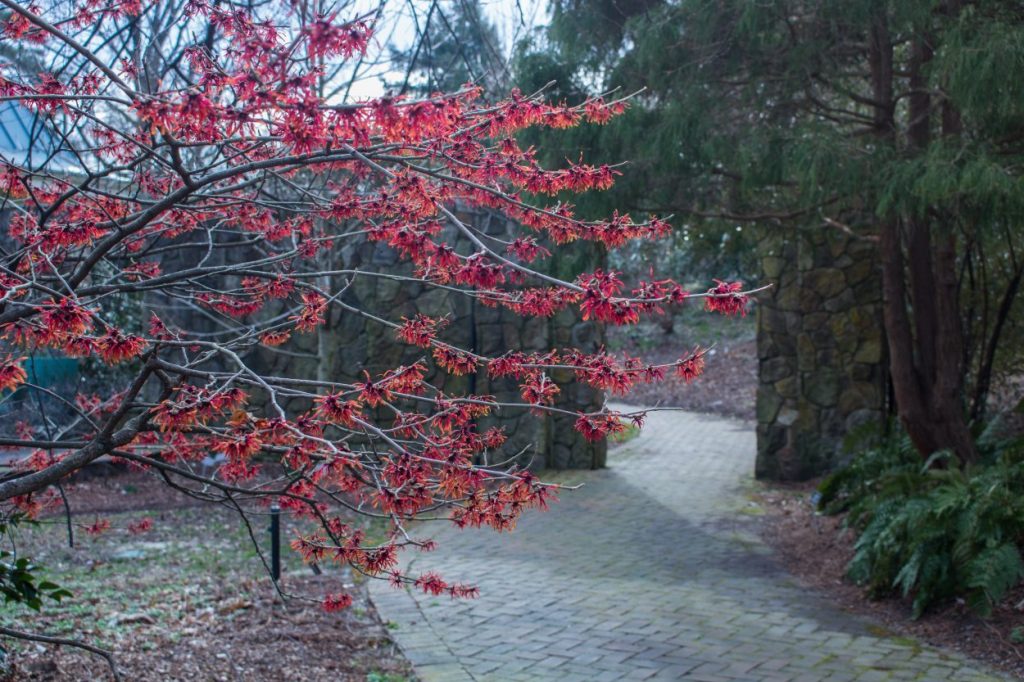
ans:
(785, 117)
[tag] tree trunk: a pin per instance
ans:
(921, 304)
(926, 370)
(984, 380)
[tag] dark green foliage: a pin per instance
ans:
(19, 583)
(933, 531)
(785, 115)
(885, 467)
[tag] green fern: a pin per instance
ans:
(933, 533)
(991, 574)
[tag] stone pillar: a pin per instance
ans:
(820, 348)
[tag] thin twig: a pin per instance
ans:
(64, 641)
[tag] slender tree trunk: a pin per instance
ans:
(926, 371)
(984, 381)
(921, 303)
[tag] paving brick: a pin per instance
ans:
(649, 571)
(449, 672)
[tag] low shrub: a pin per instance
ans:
(932, 529)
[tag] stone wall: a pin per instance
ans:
(821, 348)
(350, 343)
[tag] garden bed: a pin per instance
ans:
(188, 599)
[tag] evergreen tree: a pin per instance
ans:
(900, 121)
(456, 44)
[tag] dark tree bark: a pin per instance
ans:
(983, 383)
(920, 292)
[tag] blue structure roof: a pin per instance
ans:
(26, 140)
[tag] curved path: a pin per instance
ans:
(649, 572)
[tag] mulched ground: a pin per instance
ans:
(189, 599)
(728, 385)
(235, 639)
(817, 549)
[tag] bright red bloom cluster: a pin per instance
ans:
(337, 602)
(691, 367)
(727, 298)
(11, 374)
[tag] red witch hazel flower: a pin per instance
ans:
(312, 314)
(431, 583)
(334, 408)
(336, 602)
(372, 393)
(538, 389)
(143, 525)
(419, 331)
(275, 338)
(117, 347)
(453, 361)
(726, 299)
(11, 374)
(65, 319)
(527, 249)
(97, 527)
(691, 367)
(599, 299)
(594, 427)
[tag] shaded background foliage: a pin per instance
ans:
(768, 116)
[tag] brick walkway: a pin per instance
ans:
(650, 572)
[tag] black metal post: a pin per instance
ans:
(275, 542)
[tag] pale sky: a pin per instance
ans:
(399, 28)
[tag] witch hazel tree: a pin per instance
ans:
(204, 173)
